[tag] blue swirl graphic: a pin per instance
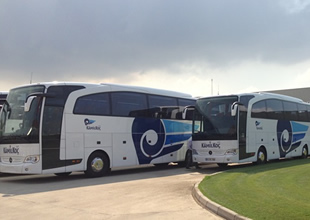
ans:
(152, 140)
(289, 136)
(148, 136)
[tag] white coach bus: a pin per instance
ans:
(64, 127)
(250, 128)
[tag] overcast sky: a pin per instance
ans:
(182, 45)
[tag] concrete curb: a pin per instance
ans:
(214, 207)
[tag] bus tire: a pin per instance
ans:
(304, 153)
(189, 159)
(98, 165)
(261, 156)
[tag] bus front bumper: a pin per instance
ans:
(23, 168)
(217, 159)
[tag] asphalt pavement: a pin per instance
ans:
(142, 193)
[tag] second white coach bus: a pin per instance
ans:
(64, 127)
(250, 128)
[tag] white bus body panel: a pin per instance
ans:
(263, 133)
(13, 157)
(215, 151)
(113, 135)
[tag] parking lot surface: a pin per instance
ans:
(142, 193)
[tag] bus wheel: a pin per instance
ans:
(261, 156)
(188, 159)
(97, 165)
(304, 152)
(63, 174)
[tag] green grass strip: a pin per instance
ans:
(276, 190)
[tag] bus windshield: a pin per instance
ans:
(213, 119)
(16, 125)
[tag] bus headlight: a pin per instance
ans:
(231, 152)
(32, 159)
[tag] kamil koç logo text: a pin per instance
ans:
(90, 125)
(11, 150)
(211, 145)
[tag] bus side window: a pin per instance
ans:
(302, 112)
(155, 101)
(259, 110)
(308, 112)
(186, 102)
(274, 109)
(164, 105)
(94, 104)
(128, 103)
(290, 111)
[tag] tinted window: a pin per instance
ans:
(274, 109)
(245, 100)
(2, 99)
(308, 111)
(259, 110)
(162, 107)
(215, 119)
(290, 111)
(302, 112)
(158, 101)
(129, 104)
(186, 102)
(95, 104)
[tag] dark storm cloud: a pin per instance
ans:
(53, 38)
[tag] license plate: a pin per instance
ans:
(210, 159)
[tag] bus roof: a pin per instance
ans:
(263, 94)
(117, 87)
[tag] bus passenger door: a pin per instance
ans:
(243, 133)
(74, 143)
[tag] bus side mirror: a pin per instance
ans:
(187, 113)
(28, 103)
(33, 96)
(234, 108)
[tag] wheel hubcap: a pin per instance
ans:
(261, 156)
(97, 164)
(305, 152)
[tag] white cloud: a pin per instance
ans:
(241, 44)
(303, 79)
(295, 6)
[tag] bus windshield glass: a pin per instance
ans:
(213, 119)
(16, 125)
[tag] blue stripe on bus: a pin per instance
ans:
(297, 127)
(170, 139)
(175, 126)
(297, 137)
